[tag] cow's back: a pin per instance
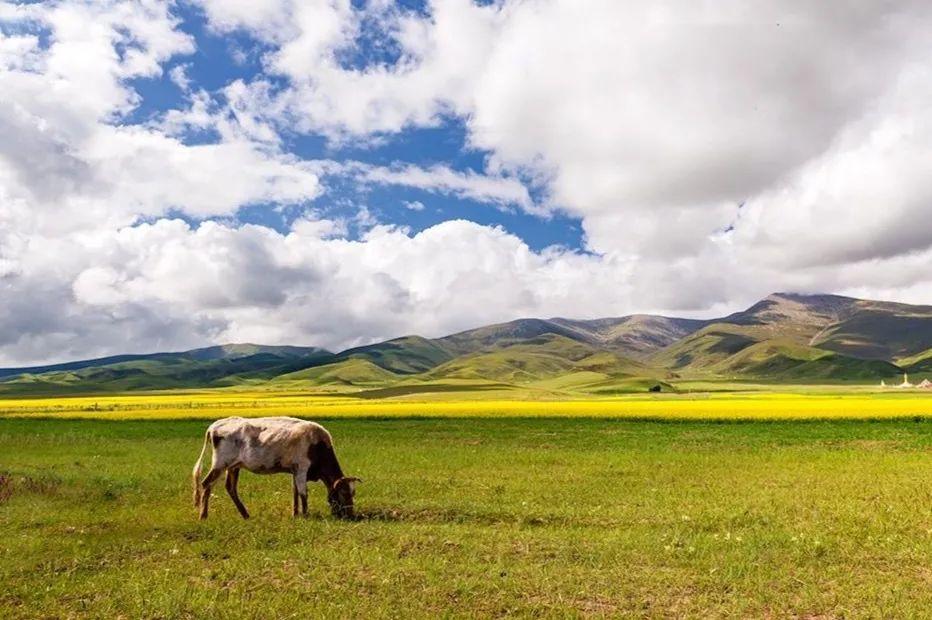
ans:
(269, 444)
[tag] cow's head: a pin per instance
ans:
(340, 497)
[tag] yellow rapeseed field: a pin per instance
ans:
(216, 404)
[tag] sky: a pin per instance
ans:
(337, 172)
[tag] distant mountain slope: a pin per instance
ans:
(631, 336)
(790, 336)
(789, 316)
(879, 330)
(505, 334)
(240, 350)
(521, 351)
(637, 335)
(784, 361)
(920, 362)
(706, 348)
(407, 355)
(534, 359)
(784, 337)
(857, 327)
(218, 365)
(347, 372)
(218, 352)
(77, 365)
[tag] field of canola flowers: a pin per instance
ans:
(709, 406)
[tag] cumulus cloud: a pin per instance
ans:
(220, 283)
(657, 120)
(68, 158)
(440, 58)
(493, 189)
(653, 122)
(714, 152)
(866, 197)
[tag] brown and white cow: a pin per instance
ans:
(271, 446)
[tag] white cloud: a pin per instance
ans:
(67, 162)
(218, 283)
(499, 190)
(440, 60)
(651, 122)
(171, 285)
(179, 76)
(867, 197)
(656, 120)
(266, 18)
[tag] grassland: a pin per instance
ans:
(647, 506)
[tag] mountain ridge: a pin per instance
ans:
(782, 337)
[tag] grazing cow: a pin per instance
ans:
(270, 446)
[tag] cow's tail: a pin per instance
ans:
(196, 473)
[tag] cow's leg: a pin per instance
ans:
(300, 485)
(206, 483)
(232, 481)
(294, 495)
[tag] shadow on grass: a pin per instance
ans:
(441, 515)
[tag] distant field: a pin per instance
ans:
(804, 403)
(479, 517)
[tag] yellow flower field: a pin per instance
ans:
(215, 404)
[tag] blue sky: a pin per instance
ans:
(177, 173)
(221, 58)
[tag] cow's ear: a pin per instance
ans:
(352, 479)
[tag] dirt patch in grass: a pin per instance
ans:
(13, 484)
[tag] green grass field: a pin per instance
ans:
(478, 517)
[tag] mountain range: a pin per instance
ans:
(784, 338)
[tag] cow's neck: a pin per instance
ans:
(330, 477)
(330, 470)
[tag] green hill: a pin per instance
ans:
(880, 331)
(349, 372)
(920, 362)
(705, 349)
(502, 335)
(635, 336)
(631, 336)
(210, 367)
(543, 357)
(788, 316)
(407, 355)
(786, 361)
(785, 337)
(808, 338)
(859, 328)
